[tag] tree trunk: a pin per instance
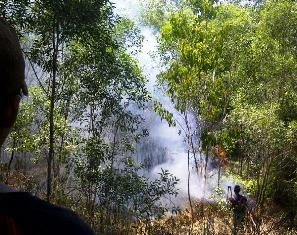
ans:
(219, 174)
(241, 165)
(190, 142)
(52, 110)
(113, 152)
(248, 168)
(205, 170)
(10, 161)
(265, 180)
(189, 192)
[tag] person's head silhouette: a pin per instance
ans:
(12, 78)
(237, 189)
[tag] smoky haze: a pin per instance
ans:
(165, 148)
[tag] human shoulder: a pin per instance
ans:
(243, 198)
(36, 216)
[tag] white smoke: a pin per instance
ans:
(168, 137)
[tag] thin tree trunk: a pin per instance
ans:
(114, 145)
(265, 180)
(93, 129)
(205, 171)
(190, 141)
(248, 168)
(189, 192)
(10, 161)
(52, 116)
(241, 165)
(219, 174)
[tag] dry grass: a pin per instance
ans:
(210, 219)
(206, 219)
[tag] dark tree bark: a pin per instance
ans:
(55, 42)
(10, 161)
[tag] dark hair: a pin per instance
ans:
(12, 64)
(237, 189)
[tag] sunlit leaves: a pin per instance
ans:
(164, 114)
(235, 65)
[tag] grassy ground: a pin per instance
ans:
(213, 219)
(205, 218)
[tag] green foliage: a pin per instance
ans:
(235, 65)
(164, 114)
(83, 118)
(156, 12)
(121, 190)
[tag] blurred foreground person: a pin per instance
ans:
(239, 207)
(20, 212)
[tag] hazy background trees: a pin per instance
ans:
(231, 66)
(75, 137)
(234, 64)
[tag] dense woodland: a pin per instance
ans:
(232, 65)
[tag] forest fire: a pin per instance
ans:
(148, 117)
